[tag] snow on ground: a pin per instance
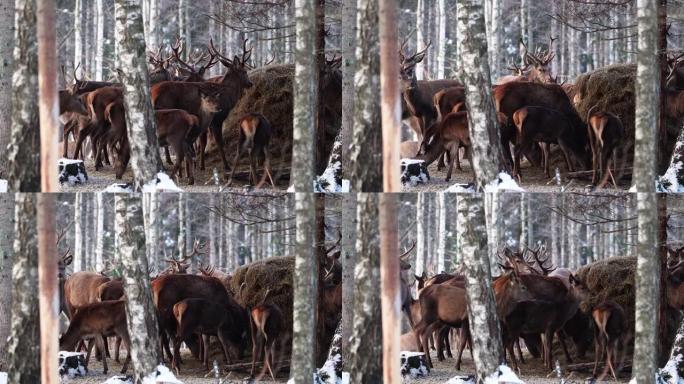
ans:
(3, 377)
(3, 186)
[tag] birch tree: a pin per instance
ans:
(390, 288)
(23, 155)
(182, 227)
(366, 154)
(99, 38)
(441, 37)
(305, 99)
(420, 37)
(140, 118)
(348, 69)
(305, 282)
(497, 36)
(482, 317)
(487, 153)
(99, 237)
(79, 254)
(366, 340)
(6, 63)
(23, 365)
(646, 123)
(140, 310)
(348, 265)
(441, 230)
(6, 252)
(78, 37)
(421, 234)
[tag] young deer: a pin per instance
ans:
(609, 319)
(266, 325)
(605, 136)
(255, 134)
(94, 321)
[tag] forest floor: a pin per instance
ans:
(99, 180)
(534, 179)
(192, 372)
(532, 372)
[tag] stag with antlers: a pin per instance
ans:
(180, 266)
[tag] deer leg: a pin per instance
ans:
(167, 156)
(189, 163)
(561, 337)
(463, 340)
(202, 147)
(566, 154)
(126, 341)
(267, 166)
(100, 344)
(252, 168)
(269, 358)
(254, 346)
(548, 344)
(519, 350)
(606, 161)
(426, 349)
(446, 342)
(236, 162)
(439, 343)
(453, 150)
(89, 349)
(205, 356)
(117, 348)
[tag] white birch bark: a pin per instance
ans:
(441, 37)
(6, 256)
(140, 311)
(348, 244)
(484, 324)
(420, 37)
(212, 231)
(441, 231)
(78, 37)
(79, 254)
(99, 39)
(496, 31)
(421, 232)
(99, 248)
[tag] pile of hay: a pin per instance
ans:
(274, 274)
(611, 88)
(272, 96)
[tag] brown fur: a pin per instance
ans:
(606, 134)
(81, 289)
(450, 135)
(266, 324)
(609, 320)
(97, 101)
(255, 135)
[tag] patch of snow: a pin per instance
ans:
(503, 375)
(161, 375)
(3, 186)
(460, 188)
(161, 183)
(290, 188)
(669, 182)
(118, 188)
(346, 378)
(65, 161)
(327, 374)
(119, 380)
(503, 182)
(669, 374)
(461, 380)
(327, 182)
(3, 377)
(71, 372)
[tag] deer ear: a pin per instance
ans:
(68, 260)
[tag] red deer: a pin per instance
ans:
(96, 320)
(510, 97)
(675, 279)
(266, 326)
(172, 95)
(68, 102)
(450, 136)
(81, 86)
(206, 318)
(675, 78)
(539, 61)
(417, 100)
(545, 125)
(81, 288)
(169, 289)
(517, 74)
(97, 101)
(255, 134)
(609, 320)
(224, 277)
(64, 260)
(195, 70)
(446, 100)
(605, 137)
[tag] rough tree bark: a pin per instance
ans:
(496, 30)
(6, 252)
(23, 155)
(484, 324)
(421, 229)
(348, 70)
(391, 104)
(99, 38)
(140, 118)
(305, 97)
(78, 37)
(48, 287)
(366, 155)
(420, 37)
(182, 228)
(6, 62)
(99, 237)
(487, 152)
(140, 310)
(348, 265)
(390, 287)
(441, 229)
(365, 365)
(305, 281)
(23, 365)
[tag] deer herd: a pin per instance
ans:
(533, 111)
(535, 303)
(187, 108)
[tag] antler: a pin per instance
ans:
(198, 248)
(409, 250)
(339, 239)
(535, 253)
(246, 54)
(224, 60)
(516, 69)
(673, 60)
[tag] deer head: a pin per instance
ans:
(407, 70)
(197, 66)
(236, 68)
(181, 266)
(539, 61)
(675, 77)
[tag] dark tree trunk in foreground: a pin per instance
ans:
(140, 119)
(6, 252)
(140, 310)
(348, 264)
(366, 153)
(24, 344)
(23, 155)
(484, 133)
(48, 288)
(365, 364)
(6, 62)
(305, 281)
(391, 295)
(484, 324)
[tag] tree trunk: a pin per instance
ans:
(305, 99)
(365, 365)
(441, 230)
(487, 153)
(421, 234)
(49, 102)
(79, 65)
(348, 70)
(6, 252)
(366, 154)
(212, 230)
(6, 64)
(48, 288)
(140, 310)
(23, 365)
(79, 253)
(140, 118)
(99, 237)
(496, 38)
(391, 294)
(390, 93)
(305, 281)
(99, 39)
(420, 37)
(23, 158)
(182, 227)
(348, 264)
(484, 324)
